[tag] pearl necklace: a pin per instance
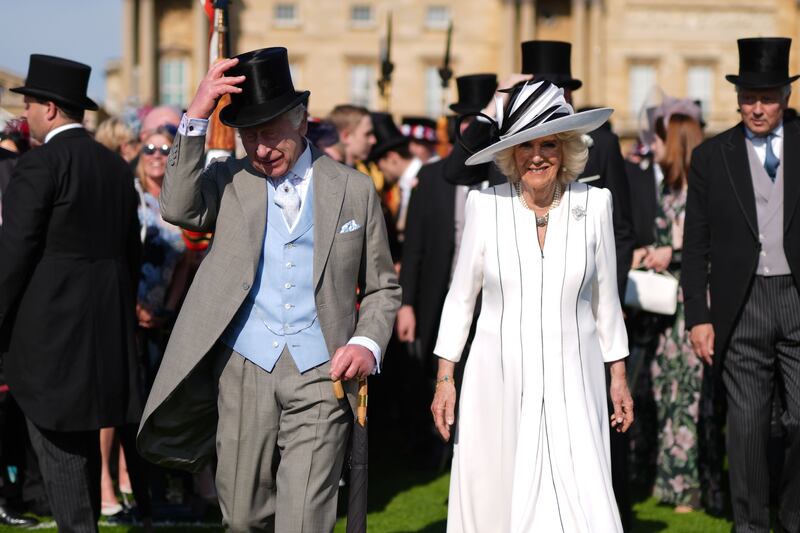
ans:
(541, 221)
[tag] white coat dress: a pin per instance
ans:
(532, 440)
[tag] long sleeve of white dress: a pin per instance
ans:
(459, 305)
(605, 297)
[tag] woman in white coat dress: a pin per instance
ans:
(532, 443)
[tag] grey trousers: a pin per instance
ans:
(70, 464)
(281, 442)
(764, 346)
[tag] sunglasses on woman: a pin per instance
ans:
(150, 149)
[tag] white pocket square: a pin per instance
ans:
(589, 179)
(350, 226)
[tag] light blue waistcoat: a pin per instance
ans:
(280, 310)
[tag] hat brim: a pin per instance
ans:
(379, 150)
(559, 81)
(254, 115)
(582, 122)
(44, 94)
(754, 83)
(570, 83)
(463, 109)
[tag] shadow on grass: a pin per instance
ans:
(437, 527)
(649, 526)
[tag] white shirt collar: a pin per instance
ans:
(65, 127)
(777, 132)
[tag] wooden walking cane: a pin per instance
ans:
(359, 463)
(363, 398)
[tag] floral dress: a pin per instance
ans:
(677, 375)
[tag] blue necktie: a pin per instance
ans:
(771, 161)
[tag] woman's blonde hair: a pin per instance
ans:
(574, 154)
(114, 133)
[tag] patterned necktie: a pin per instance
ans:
(288, 200)
(771, 161)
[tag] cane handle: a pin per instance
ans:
(338, 390)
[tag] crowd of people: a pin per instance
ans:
(512, 281)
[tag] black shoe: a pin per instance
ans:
(8, 518)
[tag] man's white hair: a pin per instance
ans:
(296, 115)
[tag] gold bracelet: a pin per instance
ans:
(444, 379)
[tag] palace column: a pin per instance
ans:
(147, 52)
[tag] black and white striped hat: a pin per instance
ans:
(536, 109)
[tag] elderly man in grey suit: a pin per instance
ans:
(271, 317)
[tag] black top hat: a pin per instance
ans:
(58, 80)
(386, 134)
(474, 92)
(549, 60)
(763, 63)
(421, 129)
(267, 90)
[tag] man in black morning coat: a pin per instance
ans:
(433, 225)
(70, 258)
(430, 240)
(741, 278)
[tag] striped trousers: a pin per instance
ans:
(764, 350)
(70, 465)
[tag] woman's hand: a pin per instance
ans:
(444, 399)
(621, 398)
(658, 259)
(444, 407)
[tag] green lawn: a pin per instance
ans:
(403, 501)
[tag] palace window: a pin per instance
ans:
(173, 80)
(361, 16)
(286, 15)
(700, 85)
(362, 84)
(437, 17)
(433, 92)
(641, 81)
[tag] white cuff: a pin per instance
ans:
(192, 127)
(372, 346)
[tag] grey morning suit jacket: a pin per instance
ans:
(179, 423)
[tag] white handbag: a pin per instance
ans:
(656, 292)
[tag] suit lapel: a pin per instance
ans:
(791, 179)
(737, 165)
(251, 190)
(329, 186)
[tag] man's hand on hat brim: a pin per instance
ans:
(212, 87)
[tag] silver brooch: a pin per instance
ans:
(578, 212)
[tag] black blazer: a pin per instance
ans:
(644, 203)
(7, 161)
(605, 168)
(428, 250)
(70, 261)
(720, 244)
